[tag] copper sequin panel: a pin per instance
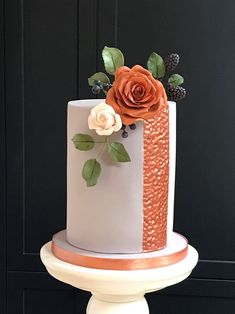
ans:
(156, 177)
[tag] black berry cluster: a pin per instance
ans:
(172, 61)
(173, 89)
(124, 131)
(99, 86)
(175, 92)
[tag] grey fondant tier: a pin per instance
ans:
(108, 217)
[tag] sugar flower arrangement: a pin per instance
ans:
(134, 94)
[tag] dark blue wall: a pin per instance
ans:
(49, 49)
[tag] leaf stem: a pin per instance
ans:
(100, 142)
(102, 149)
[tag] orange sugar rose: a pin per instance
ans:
(135, 94)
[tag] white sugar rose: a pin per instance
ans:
(104, 120)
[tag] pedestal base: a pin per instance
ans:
(118, 291)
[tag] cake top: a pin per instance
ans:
(131, 95)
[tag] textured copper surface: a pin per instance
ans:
(156, 177)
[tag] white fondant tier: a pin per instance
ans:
(109, 217)
(172, 254)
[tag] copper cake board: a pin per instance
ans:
(173, 253)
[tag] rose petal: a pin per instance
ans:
(135, 112)
(121, 71)
(110, 121)
(127, 120)
(138, 91)
(102, 106)
(92, 123)
(101, 118)
(104, 131)
(111, 99)
(139, 69)
(118, 123)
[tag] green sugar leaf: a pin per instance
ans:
(83, 141)
(91, 172)
(117, 152)
(99, 76)
(113, 59)
(176, 80)
(156, 65)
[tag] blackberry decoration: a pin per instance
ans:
(106, 86)
(98, 86)
(124, 134)
(123, 127)
(95, 89)
(176, 93)
(132, 126)
(98, 82)
(172, 61)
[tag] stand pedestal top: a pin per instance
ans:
(118, 291)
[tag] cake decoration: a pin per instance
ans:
(104, 120)
(156, 180)
(160, 69)
(127, 144)
(136, 94)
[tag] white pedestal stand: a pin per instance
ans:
(118, 291)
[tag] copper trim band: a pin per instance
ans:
(117, 264)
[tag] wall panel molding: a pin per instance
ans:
(41, 77)
(2, 166)
(195, 296)
(87, 45)
(40, 293)
(215, 269)
(107, 26)
(35, 292)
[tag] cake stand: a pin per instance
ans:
(118, 291)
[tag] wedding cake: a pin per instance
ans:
(121, 168)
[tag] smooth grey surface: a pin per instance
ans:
(178, 243)
(109, 216)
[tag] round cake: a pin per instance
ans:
(121, 170)
(130, 209)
